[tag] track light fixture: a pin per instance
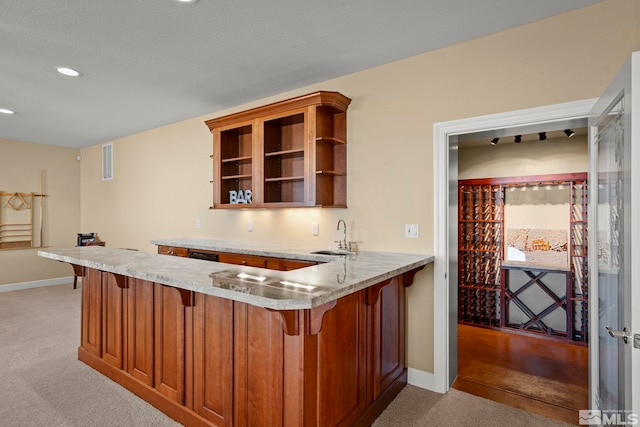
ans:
(494, 141)
(542, 135)
(569, 133)
(518, 139)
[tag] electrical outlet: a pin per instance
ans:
(411, 230)
(250, 226)
(197, 223)
(315, 229)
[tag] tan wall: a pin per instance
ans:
(161, 185)
(20, 166)
(551, 156)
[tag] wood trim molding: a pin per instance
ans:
(409, 276)
(121, 281)
(331, 99)
(187, 297)
(316, 315)
(290, 319)
(373, 292)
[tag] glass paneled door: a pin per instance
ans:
(615, 246)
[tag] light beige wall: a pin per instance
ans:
(20, 166)
(551, 156)
(161, 185)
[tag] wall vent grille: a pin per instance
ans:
(107, 162)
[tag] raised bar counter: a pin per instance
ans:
(333, 277)
(217, 344)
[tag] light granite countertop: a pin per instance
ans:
(333, 278)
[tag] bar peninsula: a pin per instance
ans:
(220, 344)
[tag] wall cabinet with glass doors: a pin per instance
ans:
(286, 154)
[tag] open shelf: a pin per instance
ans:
(331, 156)
(284, 155)
(285, 152)
(237, 177)
(333, 173)
(285, 178)
(330, 139)
(292, 152)
(284, 190)
(234, 156)
(237, 159)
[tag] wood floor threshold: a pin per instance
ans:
(517, 400)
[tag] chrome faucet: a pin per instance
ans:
(342, 244)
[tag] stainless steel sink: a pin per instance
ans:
(337, 252)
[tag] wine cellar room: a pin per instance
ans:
(522, 269)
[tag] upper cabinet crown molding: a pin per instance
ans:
(290, 153)
(325, 98)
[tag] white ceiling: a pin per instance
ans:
(147, 63)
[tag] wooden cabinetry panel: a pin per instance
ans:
(140, 324)
(173, 250)
(112, 321)
(205, 360)
(388, 323)
(91, 328)
(169, 337)
(288, 264)
(259, 361)
(213, 360)
(342, 363)
(241, 259)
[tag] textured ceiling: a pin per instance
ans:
(147, 63)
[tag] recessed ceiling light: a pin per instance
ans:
(6, 111)
(68, 71)
(186, 1)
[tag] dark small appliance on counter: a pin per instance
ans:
(89, 239)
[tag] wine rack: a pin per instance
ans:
(481, 253)
(480, 231)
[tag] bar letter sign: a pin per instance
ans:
(240, 197)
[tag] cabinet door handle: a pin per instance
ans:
(244, 262)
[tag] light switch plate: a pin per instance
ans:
(250, 226)
(315, 229)
(411, 230)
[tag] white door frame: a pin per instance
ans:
(443, 133)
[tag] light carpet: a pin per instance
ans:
(42, 383)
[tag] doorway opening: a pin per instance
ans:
(523, 271)
(448, 139)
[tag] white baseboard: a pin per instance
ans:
(36, 284)
(420, 379)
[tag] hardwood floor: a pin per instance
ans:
(538, 375)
